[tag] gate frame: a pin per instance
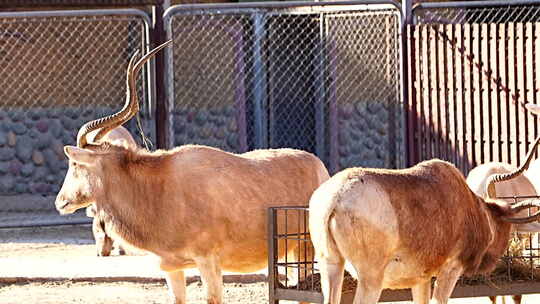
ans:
(148, 85)
(296, 7)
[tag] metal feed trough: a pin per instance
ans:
(518, 271)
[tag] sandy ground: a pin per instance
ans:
(59, 265)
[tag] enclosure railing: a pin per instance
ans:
(295, 277)
(474, 65)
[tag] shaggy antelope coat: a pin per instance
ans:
(100, 221)
(193, 206)
(400, 228)
(478, 178)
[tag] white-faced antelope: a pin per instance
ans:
(192, 206)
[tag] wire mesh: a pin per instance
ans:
(484, 14)
(322, 80)
(292, 264)
(58, 72)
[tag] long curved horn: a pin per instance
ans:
(107, 120)
(520, 206)
(132, 91)
(495, 178)
(131, 106)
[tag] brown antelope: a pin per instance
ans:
(192, 206)
(401, 228)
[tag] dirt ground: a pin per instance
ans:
(59, 265)
(121, 293)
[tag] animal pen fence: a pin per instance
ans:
(322, 77)
(471, 68)
(358, 83)
(298, 279)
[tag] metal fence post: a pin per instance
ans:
(163, 123)
(320, 120)
(272, 249)
(261, 129)
(407, 87)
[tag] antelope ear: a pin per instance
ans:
(533, 108)
(81, 156)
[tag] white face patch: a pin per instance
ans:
(76, 191)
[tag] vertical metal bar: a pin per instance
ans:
(442, 80)
(460, 110)
(495, 96)
(299, 245)
(451, 97)
(428, 117)
(393, 157)
(476, 86)
(487, 132)
(511, 84)
(260, 86)
(529, 81)
(163, 123)
(286, 248)
(422, 135)
(305, 231)
(424, 85)
(504, 95)
(468, 100)
(521, 93)
(408, 94)
(149, 79)
(272, 255)
(413, 129)
(536, 70)
(320, 102)
(433, 92)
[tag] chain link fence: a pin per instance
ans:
(318, 77)
(487, 12)
(59, 70)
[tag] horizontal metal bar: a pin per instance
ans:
(292, 234)
(528, 287)
(47, 224)
(299, 295)
(306, 208)
(295, 263)
(517, 197)
(473, 4)
(293, 239)
(77, 3)
(276, 5)
(389, 295)
(79, 13)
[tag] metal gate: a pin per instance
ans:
(473, 67)
(322, 77)
(59, 70)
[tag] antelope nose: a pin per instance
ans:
(61, 203)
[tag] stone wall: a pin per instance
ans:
(32, 144)
(218, 127)
(370, 135)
